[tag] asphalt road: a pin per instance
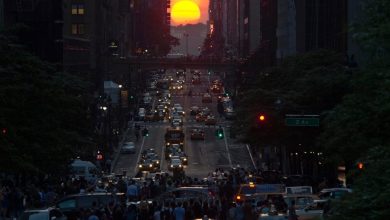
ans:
(204, 156)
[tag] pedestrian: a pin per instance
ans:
(131, 212)
(291, 211)
(179, 212)
(132, 191)
(157, 213)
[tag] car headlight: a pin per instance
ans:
(171, 165)
(140, 166)
(185, 159)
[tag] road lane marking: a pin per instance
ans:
(139, 155)
(227, 148)
(250, 154)
(162, 156)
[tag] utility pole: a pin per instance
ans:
(186, 36)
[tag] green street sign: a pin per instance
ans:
(303, 122)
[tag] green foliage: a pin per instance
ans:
(43, 110)
(361, 121)
(372, 30)
(311, 83)
(371, 191)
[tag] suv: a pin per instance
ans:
(71, 205)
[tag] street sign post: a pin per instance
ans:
(302, 120)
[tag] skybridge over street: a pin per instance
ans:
(176, 63)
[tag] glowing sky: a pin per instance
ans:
(203, 5)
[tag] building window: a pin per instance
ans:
(78, 9)
(78, 29)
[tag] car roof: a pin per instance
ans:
(335, 190)
(48, 209)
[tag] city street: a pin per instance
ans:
(204, 156)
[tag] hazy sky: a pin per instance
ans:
(203, 5)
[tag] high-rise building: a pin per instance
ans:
(80, 36)
(44, 21)
(152, 20)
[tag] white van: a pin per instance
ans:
(141, 113)
(85, 169)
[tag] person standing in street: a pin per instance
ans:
(291, 211)
(179, 212)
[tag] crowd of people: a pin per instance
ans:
(141, 195)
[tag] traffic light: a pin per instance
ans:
(145, 132)
(99, 155)
(261, 118)
(219, 133)
(360, 166)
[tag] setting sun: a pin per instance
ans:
(185, 11)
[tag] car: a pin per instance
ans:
(177, 105)
(151, 116)
(196, 80)
(215, 89)
(176, 164)
(147, 152)
(128, 147)
(147, 165)
(194, 110)
(173, 151)
(206, 98)
(217, 83)
(200, 117)
(210, 120)
(141, 113)
(197, 134)
(161, 108)
(206, 111)
(333, 193)
(176, 86)
(177, 122)
(155, 159)
(229, 113)
(183, 157)
(180, 110)
(173, 115)
(71, 204)
(42, 214)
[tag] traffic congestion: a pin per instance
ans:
(175, 161)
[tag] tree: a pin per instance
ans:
(357, 129)
(43, 110)
(369, 199)
(312, 83)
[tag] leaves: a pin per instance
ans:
(312, 83)
(43, 110)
